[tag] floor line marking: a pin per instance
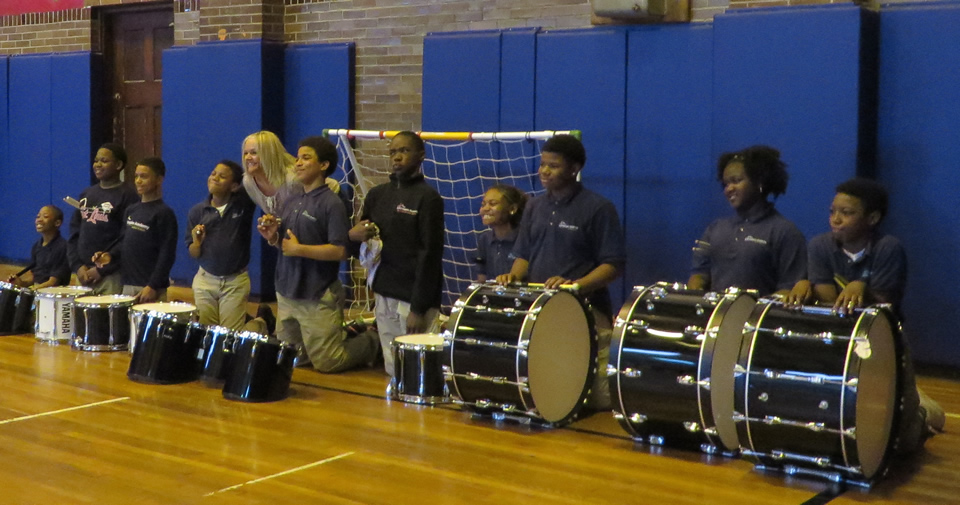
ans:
(286, 472)
(52, 412)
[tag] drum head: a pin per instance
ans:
(103, 300)
(165, 307)
(876, 394)
(428, 340)
(730, 316)
(559, 359)
(57, 291)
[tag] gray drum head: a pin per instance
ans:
(559, 358)
(730, 316)
(876, 394)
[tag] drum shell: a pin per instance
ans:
(671, 365)
(801, 384)
(261, 370)
(498, 331)
(418, 372)
(183, 311)
(217, 357)
(16, 309)
(168, 350)
(102, 326)
(54, 322)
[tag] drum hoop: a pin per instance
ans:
(523, 342)
(726, 299)
(767, 304)
(626, 314)
(42, 293)
(455, 324)
(172, 317)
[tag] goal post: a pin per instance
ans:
(461, 166)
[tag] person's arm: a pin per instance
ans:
(700, 261)
(167, 235)
(73, 241)
(291, 246)
(699, 282)
(196, 232)
(429, 278)
(790, 255)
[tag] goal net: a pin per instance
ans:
(461, 166)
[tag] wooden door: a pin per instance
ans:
(135, 40)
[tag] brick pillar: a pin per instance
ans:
(241, 19)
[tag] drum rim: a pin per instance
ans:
(44, 293)
(118, 301)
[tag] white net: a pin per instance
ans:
(461, 166)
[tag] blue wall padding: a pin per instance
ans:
(318, 80)
(518, 79)
(457, 96)
(789, 78)
(581, 83)
(4, 120)
(212, 96)
(26, 177)
(918, 153)
(669, 182)
(70, 152)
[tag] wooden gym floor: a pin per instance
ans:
(75, 430)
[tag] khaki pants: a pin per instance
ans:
(317, 326)
(221, 300)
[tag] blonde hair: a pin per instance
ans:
(274, 158)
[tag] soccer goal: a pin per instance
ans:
(461, 166)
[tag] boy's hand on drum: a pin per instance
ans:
(556, 281)
(801, 294)
(852, 297)
(146, 295)
(506, 279)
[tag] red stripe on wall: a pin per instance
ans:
(8, 7)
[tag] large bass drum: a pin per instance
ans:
(521, 351)
(818, 393)
(671, 365)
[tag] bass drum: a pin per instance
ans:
(671, 365)
(521, 351)
(816, 392)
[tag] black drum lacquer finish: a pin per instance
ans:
(817, 392)
(418, 368)
(16, 309)
(168, 350)
(522, 351)
(102, 325)
(671, 363)
(217, 358)
(261, 370)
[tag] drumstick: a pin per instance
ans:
(110, 245)
(25, 270)
(568, 287)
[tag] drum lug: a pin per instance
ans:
(851, 433)
(611, 370)
(637, 418)
(709, 449)
(711, 297)
(657, 292)
(692, 426)
(629, 372)
(853, 384)
(738, 417)
(739, 370)
(655, 440)
(693, 331)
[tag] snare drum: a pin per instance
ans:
(523, 351)
(217, 358)
(183, 310)
(671, 366)
(169, 345)
(16, 308)
(261, 370)
(817, 393)
(101, 323)
(418, 369)
(55, 313)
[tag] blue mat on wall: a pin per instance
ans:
(918, 149)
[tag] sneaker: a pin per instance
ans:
(266, 313)
(355, 328)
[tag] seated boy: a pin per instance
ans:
(148, 246)
(854, 265)
(218, 236)
(48, 257)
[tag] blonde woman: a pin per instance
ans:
(268, 167)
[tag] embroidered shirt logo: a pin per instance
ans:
(97, 214)
(751, 238)
(308, 216)
(137, 225)
(402, 209)
(564, 226)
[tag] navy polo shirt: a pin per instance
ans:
(494, 254)
(883, 266)
(50, 261)
(316, 218)
(226, 246)
(569, 237)
(762, 250)
(149, 246)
